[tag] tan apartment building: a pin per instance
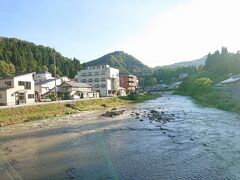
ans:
(129, 82)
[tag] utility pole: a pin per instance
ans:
(55, 73)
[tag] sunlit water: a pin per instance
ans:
(200, 143)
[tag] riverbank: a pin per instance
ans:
(216, 99)
(37, 112)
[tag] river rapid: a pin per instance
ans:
(197, 143)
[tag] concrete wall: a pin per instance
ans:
(3, 97)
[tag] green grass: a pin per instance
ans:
(37, 112)
(216, 99)
(95, 104)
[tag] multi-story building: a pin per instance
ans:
(129, 82)
(103, 78)
(15, 90)
(42, 76)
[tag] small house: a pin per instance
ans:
(15, 90)
(231, 86)
(74, 90)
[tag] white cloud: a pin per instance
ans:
(187, 31)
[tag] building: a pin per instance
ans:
(183, 75)
(42, 76)
(175, 85)
(122, 91)
(231, 86)
(129, 82)
(42, 87)
(104, 79)
(15, 90)
(74, 90)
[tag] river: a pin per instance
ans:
(198, 143)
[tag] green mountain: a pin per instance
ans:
(29, 57)
(126, 63)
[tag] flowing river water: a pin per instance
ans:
(198, 143)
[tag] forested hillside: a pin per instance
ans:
(196, 63)
(25, 56)
(126, 63)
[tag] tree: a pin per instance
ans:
(44, 68)
(201, 86)
(12, 69)
(4, 68)
(28, 57)
(224, 51)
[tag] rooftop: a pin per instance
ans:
(12, 76)
(44, 81)
(75, 84)
(230, 80)
(98, 66)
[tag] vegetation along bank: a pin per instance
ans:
(37, 112)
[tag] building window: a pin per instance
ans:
(90, 80)
(30, 96)
(96, 73)
(8, 83)
(96, 86)
(103, 79)
(21, 83)
(90, 74)
(96, 79)
(0, 96)
(27, 85)
(103, 72)
(84, 80)
(103, 85)
(84, 74)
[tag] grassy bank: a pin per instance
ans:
(36, 112)
(202, 91)
(217, 100)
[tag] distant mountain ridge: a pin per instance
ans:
(196, 62)
(127, 64)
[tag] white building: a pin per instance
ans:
(104, 79)
(42, 87)
(74, 90)
(17, 89)
(183, 75)
(42, 76)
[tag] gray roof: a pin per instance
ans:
(44, 81)
(12, 76)
(75, 84)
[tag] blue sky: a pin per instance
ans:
(88, 29)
